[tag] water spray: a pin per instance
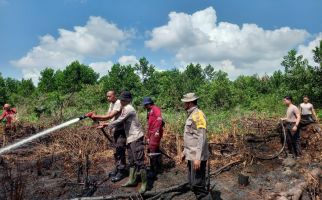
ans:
(40, 134)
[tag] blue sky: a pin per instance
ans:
(145, 28)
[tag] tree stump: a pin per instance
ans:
(243, 179)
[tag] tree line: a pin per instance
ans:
(80, 86)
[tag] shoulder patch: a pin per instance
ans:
(199, 119)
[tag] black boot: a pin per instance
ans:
(119, 176)
(112, 173)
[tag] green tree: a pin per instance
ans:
(26, 88)
(317, 54)
(47, 81)
(75, 76)
(217, 93)
(148, 77)
(122, 78)
(3, 91)
(317, 81)
(171, 88)
(209, 72)
(298, 75)
(194, 77)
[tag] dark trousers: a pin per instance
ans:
(306, 119)
(135, 152)
(155, 161)
(120, 144)
(197, 180)
(293, 139)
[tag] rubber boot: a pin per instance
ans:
(132, 178)
(112, 173)
(119, 176)
(144, 181)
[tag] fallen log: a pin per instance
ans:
(218, 171)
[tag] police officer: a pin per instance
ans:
(195, 146)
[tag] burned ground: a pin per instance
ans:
(74, 163)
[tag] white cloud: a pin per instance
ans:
(101, 67)
(306, 50)
(97, 39)
(199, 38)
(128, 60)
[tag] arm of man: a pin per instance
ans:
(156, 125)
(108, 116)
(3, 115)
(298, 119)
(200, 121)
(314, 114)
(116, 109)
(121, 119)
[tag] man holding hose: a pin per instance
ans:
(292, 119)
(113, 114)
(134, 141)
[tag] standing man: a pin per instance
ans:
(308, 114)
(196, 150)
(292, 120)
(134, 141)
(8, 117)
(155, 133)
(118, 131)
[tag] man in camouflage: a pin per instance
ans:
(196, 150)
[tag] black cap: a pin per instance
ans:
(288, 97)
(125, 96)
(147, 100)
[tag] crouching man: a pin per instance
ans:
(134, 141)
(196, 150)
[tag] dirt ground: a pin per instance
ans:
(75, 163)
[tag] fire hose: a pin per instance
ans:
(40, 134)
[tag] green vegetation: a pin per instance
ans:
(78, 89)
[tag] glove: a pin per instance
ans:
(90, 114)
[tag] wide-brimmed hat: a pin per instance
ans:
(189, 97)
(147, 100)
(125, 96)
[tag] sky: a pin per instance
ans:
(238, 37)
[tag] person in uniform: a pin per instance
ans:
(308, 114)
(134, 141)
(119, 136)
(292, 120)
(196, 151)
(154, 135)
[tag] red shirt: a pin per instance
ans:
(9, 115)
(154, 126)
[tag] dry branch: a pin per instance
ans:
(152, 195)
